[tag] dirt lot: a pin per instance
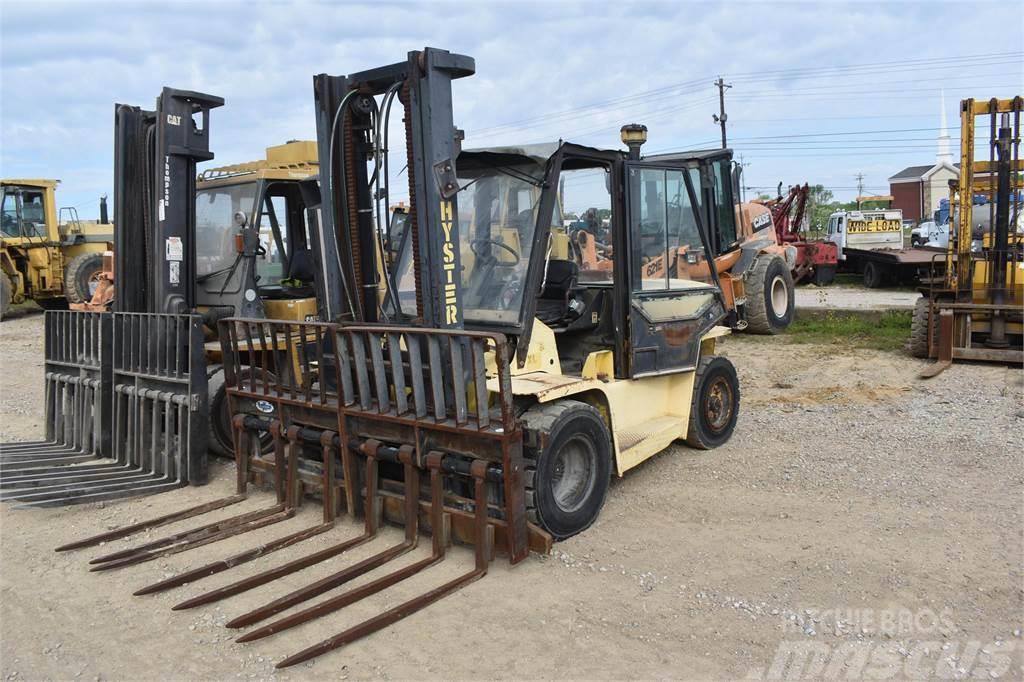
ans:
(856, 507)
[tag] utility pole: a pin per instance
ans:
(860, 188)
(743, 185)
(721, 117)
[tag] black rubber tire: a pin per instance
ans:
(873, 276)
(824, 275)
(221, 438)
(550, 429)
(6, 294)
(919, 328)
(716, 379)
(81, 271)
(763, 317)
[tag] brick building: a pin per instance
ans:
(917, 190)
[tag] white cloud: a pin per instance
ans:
(63, 65)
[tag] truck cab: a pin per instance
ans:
(867, 230)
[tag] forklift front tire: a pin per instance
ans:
(568, 466)
(715, 404)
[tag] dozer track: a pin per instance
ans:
(408, 424)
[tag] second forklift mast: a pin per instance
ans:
(352, 129)
(155, 157)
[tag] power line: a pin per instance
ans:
(912, 65)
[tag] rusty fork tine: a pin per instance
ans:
(119, 533)
(483, 539)
(230, 562)
(354, 571)
(246, 584)
(218, 530)
(363, 591)
(327, 441)
(149, 555)
(191, 534)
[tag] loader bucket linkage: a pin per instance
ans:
(125, 411)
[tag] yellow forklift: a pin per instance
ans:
(47, 255)
(465, 375)
(975, 309)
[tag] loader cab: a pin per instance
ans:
(524, 272)
(28, 211)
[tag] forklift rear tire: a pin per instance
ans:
(82, 276)
(568, 466)
(873, 276)
(919, 328)
(715, 405)
(770, 298)
(221, 440)
(5, 295)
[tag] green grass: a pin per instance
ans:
(880, 331)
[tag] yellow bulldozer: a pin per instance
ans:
(46, 255)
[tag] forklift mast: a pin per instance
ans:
(352, 129)
(155, 156)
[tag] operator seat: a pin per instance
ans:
(557, 304)
(300, 269)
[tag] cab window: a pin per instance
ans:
(283, 237)
(10, 227)
(724, 206)
(581, 229)
(667, 248)
(33, 214)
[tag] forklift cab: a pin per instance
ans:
(252, 236)
(523, 268)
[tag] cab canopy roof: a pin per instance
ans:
(294, 160)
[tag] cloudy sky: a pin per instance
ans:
(821, 91)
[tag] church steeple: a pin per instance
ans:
(944, 154)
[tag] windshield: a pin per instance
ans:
(215, 225)
(497, 217)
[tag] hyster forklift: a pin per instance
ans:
(47, 255)
(972, 307)
(470, 376)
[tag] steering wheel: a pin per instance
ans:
(491, 242)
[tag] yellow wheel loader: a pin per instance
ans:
(470, 375)
(42, 258)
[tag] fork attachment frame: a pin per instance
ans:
(125, 411)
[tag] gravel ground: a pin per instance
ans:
(858, 513)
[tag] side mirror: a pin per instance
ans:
(241, 220)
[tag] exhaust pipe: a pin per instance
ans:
(104, 218)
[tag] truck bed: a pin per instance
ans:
(917, 256)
